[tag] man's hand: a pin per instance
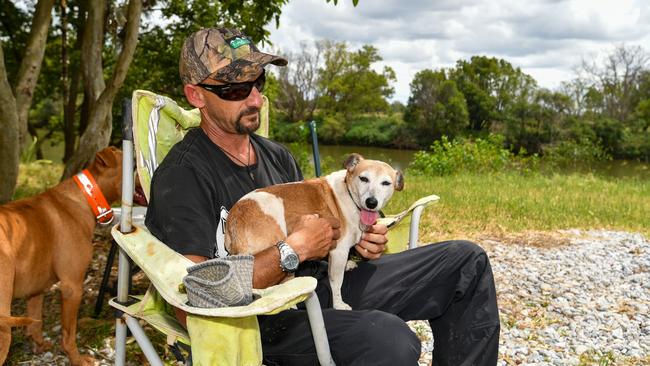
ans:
(314, 237)
(373, 242)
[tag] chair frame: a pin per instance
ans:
(125, 321)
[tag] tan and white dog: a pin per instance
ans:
(353, 195)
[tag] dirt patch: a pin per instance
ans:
(537, 239)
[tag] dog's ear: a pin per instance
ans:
(351, 161)
(399, 180)
(107, 157)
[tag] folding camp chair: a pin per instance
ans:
(158, 123)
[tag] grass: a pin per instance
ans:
(475, 204)
(36, 177)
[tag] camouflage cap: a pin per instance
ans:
(222, 54)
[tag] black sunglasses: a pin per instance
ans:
(236, 91)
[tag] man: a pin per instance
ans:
(450, 284)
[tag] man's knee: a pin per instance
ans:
(383, 339)
(467, 248)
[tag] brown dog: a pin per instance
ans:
(48, 238)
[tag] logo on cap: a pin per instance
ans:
(238, 42)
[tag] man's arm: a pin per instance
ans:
(313, 238)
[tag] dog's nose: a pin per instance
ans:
(371, 202)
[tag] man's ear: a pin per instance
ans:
(193, 95)
(399, 180)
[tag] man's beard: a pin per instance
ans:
(247, 130)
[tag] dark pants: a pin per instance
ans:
(450, 284)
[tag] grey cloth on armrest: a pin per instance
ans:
(220, 282)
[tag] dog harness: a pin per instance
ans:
(88, 186)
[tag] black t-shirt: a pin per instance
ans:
(196, 184)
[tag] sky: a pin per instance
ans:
(546, 39)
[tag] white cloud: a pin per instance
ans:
(546, 38)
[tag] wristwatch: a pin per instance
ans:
(288, 258)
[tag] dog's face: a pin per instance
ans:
(371, 184)
(106, 167)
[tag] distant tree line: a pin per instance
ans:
(605, 108)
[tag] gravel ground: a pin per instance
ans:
(567, 298)
(583, 300)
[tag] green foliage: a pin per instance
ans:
(436, 107)
(373, 130)
(289, 132)
(332, 129)
(636, 145)
(183, 17)
(14, 27)
(481, 155)
(349, 86)
(570, 153)
(530, 124)
(491, 86)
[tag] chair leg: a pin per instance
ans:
(143, 341)
(120, 342)
(414, 230)
(317, 325)
(107, 274)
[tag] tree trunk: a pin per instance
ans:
(14, 106)
(70, 110)
(98, 131)
(68, 117)
(9, 147)
(30, 66)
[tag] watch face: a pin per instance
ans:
(290, 262)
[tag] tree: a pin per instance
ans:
(298, 81)
(490, 86)
(618, 79)
(101, 94)
(15, 102)
(436, 107)
(537, 121)
(348, 83)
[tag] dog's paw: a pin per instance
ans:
(350, 265)
(42, 346)
(341, 306)
(83, 360)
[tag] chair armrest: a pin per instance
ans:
(394, 221)
(166, 269)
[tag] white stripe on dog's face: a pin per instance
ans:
(371, 184)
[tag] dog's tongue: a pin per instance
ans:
(369, 217)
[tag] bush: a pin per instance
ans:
(373, 131)
(571, 153)
(289, 131)
(636, 145)
(482, 155)
(331, 129)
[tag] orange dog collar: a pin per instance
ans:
(88, 186)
